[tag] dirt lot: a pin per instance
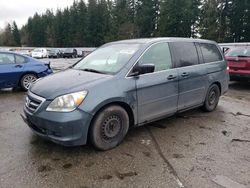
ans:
(193, 149)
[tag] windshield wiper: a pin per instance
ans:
(93, 70)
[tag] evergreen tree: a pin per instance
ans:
(103, 22)
(16, 34)
(123, 15)
(209, 22)
(177, 17)
(58, 28)
(82, 23)
(239, 20)
(246, 32)
(146, 17)
(48, 22)
(92, 22)
(194, 17)
(7, 36)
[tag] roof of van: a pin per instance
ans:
(152, 40)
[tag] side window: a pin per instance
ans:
(185, 54)
(159, 55)
(6, 58)
(20, 59)
(210, 53)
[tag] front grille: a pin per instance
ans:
(33, 102)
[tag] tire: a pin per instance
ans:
(109, 128)
(212, 98)
(27, 80)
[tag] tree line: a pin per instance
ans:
(99, 21)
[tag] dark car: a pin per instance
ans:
(20, 71)
(126, 84)
(239, 63)
(54, 53)
(70, 53)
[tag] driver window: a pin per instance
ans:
(159, 55)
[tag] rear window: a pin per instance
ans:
(185, 54)
(239, 52)
(210, 53)
(20, 59)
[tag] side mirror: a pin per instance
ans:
(142, 69)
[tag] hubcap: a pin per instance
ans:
(28, 80)
(212, 97)
(111, 127)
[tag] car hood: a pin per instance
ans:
(67, 81)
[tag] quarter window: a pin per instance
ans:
(210, 53)
(159, 55)
(20, 59)
(6, 58)
(185, 54)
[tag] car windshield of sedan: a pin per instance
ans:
(239, 52)
(108, 59)
(37, 50)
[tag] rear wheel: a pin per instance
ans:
(27, 80)
(212, 98)
(109, 127)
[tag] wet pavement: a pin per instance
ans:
(192, 149)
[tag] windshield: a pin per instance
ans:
(68, 50)
(109, 59)
(239, 52)
(53, 50)
(37, 50)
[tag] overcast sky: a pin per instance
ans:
(20, 10)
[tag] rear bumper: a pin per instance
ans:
(239, 75)
(68, 129)
(68, 55)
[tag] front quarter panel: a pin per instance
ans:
(110, 91)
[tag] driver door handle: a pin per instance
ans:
(18, 66)
(185, 74)
(171, 77)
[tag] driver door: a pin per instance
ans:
(157, 92)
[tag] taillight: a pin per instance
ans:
(227, 66)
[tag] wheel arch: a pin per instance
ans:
(218, 84)
(122, 104)
(25, 73)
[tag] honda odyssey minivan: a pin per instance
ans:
(124, 84)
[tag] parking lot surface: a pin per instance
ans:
(192, 149)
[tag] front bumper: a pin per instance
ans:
(68, 129)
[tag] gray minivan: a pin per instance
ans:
(123, 84)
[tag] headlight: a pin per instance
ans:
(67, 103)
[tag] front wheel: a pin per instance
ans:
(27, 80)
(109, 128)
(212, 98)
